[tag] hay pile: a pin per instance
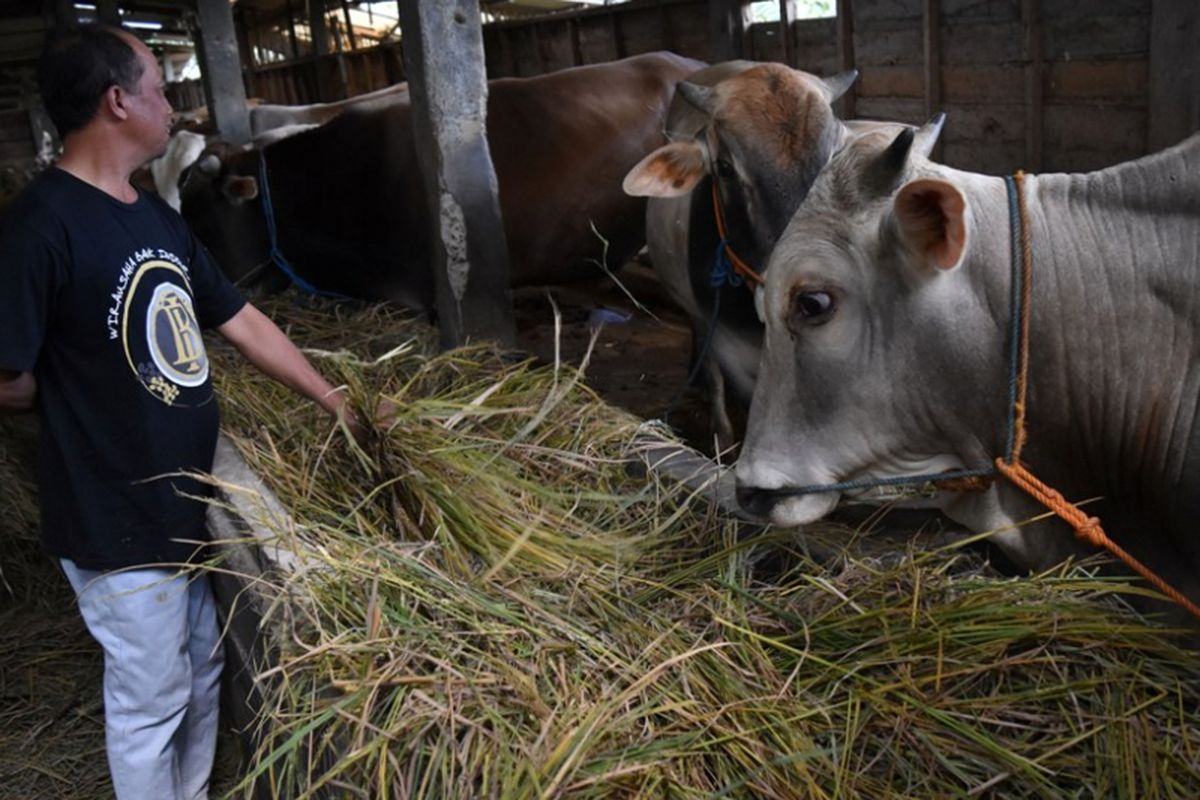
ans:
(494, 604)
(51, 711)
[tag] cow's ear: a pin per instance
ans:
(839, 84)
(240, 188)
(931, 216)
(672, 170)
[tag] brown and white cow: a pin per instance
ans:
(762, 132)
(351, 208)
(886, 354)
(268, 123)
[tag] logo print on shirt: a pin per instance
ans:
(174, 336)
(165, 350)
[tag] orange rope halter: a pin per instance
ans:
(1086, 528)
(739, 266)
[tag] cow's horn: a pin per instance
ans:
(839, 84)
(884, 175)
(699, 96)
(928, 135)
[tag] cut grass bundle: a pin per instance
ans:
(491, 603)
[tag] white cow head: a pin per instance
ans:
(767, 131)
(878, 348)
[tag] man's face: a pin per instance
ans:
(149, 111)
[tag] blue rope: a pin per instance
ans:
(1014, 368)
(276, 254)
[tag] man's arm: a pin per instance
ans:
(17, 391)
(270, 350)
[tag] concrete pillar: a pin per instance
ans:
(222, 69)
(443, 48)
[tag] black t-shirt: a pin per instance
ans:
(103, 302)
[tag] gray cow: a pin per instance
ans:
(887, 316)
(764, 131)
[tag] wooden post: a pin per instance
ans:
(1174, 110)
(108, 12)
(664, 24)
(444, 59)
(576, 43)
(933, 64)
(320, 47)
(536, 29)
(1031, 24)
(618, 34)
(785, 32)
(510, 60)
(845, 46)
(725, 29)
(222, 70)
(66, 17)
(349, 26)
(291, 16)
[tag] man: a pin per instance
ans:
(103, 292)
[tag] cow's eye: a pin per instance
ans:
(724, 168)
(812, 308)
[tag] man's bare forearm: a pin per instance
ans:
(17, 392)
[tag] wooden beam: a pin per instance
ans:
(444, 54)
(222, 69)
(785, 32)
(1174, 94)
(932, 25)
(845, 48)
(726, 27)
(1031, 25)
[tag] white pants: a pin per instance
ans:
(162, 668)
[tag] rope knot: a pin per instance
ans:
(1091, 532)
(723, 270)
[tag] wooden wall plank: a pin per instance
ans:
(1032, 35)
(1174, 95)
(846, 61)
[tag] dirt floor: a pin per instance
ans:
(641, 357)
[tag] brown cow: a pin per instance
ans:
(351, 208)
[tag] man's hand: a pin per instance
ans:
(270, 350)
(385, 415)
(17, 391)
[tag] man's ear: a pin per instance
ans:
(672, 170)
(113, 101)
(931, 218)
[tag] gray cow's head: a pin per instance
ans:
(766, 132)
(879, 349)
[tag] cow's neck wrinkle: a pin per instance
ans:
(1115, 347)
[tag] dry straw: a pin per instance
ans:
(497, 600)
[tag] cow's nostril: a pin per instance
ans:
(758, 502)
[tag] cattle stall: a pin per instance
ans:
(1043, 86)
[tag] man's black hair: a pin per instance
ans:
(78, 67)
